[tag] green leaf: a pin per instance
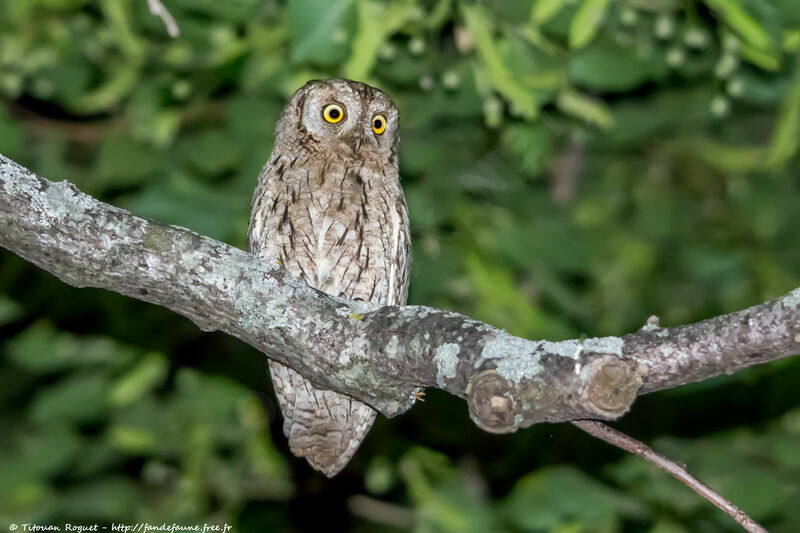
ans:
(79, 398)
(725, 157)
(32, 458)
(189, 202)
(587, 22)
(510, 308)
(531, 143)
(320, 30)
(524, 101)
(9, 310)
(120, 83)
(210, 151)
(591, 110)
(767, 60)
(11, 134)
(122, 162)
(442, 499)
(558, 496)
(737, 17)
(132, 440)
(149, 373)
(376, 21)
(41, 349)
(379, 477)
(105, 499)
(544, 10)
(606, 66)
(666, 526)
(239, 11)
(786, 137)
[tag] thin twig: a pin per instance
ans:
(621, 440)
(158, 9)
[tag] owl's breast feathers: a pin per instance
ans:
(341, 225)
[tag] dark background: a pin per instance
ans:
(571, 168)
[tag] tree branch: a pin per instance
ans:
(381, 356)
(615, 438)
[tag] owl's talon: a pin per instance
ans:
(419, 396)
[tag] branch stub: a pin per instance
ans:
(613, 386)
(492, 405)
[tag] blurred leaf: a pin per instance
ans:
(190, 203)
(442, 495)
(78, 398)
(531, 143)
(646, 119)
(523, 100)
(40, 348)
(723, 157)
(96, 459)
(786, 138)
(118, 14)
(9, 310)
(149, 373)
(735, 14)
(653, 485)
(544, 10)
(120, 83)
(10, 134)
(109, 499)
(558, 496)
(320, 30)
(439, 15)
(209, 151)
(212, 396)
(121, 162)
(761, 89)
(379, 477)
(376, 21)
(238, 11)
(36, 455)
(757, 56)
(588, 109)
(508, 305)
(131, 440)
(665, 526)
(586, 22)
(606, 66)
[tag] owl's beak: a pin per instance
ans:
(354, 140)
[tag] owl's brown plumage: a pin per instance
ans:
(330, 208)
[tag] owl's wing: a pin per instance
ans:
(402, 255)
(322, 425)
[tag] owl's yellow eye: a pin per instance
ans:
(333, 113)
(378, 124)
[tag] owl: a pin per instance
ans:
(329, 207)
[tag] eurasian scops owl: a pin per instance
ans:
(330, 208)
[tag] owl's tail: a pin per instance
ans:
(323, 426)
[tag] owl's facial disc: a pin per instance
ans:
(348, 117)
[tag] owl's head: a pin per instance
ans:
(341, 115)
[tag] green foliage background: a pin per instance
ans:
(571, 167)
